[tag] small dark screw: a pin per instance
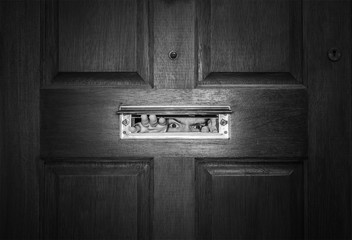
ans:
(172, 55)
(334, 54)
(124, 132)
(225, 132)
(125, 122)
(223, 122)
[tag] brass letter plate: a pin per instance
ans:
(174, 122)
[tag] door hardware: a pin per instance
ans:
(172, 55)
(174, 122)
(334, 54)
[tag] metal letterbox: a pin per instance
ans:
(174, 122)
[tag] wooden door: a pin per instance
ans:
(246, 55)
(252, 56)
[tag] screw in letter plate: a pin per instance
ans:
(125, 122)
(223, 122)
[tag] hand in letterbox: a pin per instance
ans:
(149, 125)
(213, 125)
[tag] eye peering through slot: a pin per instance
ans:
(174, 122)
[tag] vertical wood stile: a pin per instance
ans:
(174, 31)
(328, 24)
(20, 80)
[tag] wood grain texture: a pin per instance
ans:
(265, 122)
(249, 36)
(174, 198)
(327, 25)
(145, 39)
(296, 64)
(234, 79)
(3, 175)
(49, 38)
(259, 41)
(103, 79)
(203, 38)
(20, 64)
(98, 200)
(238, 200)
(96, 36)
(174, 31)
(3, 185)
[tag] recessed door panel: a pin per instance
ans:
(97, 36)
(249, 200)
(95, 43)
(86, 200)
(249, 37)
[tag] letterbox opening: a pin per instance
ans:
(174, 122)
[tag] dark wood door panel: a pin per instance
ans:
(95, 36)
(238, 200)
(97, 199)
(249, 37)
(265, 122)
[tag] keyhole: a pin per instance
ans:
(334, 54)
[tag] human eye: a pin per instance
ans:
(198, 126)
(174, 125)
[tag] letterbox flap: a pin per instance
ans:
(174, 110)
